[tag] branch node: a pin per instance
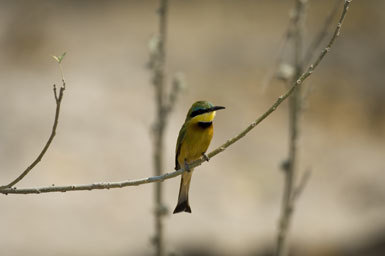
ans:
(161, 210)
(178, 84)
(55, 93)
(285, 72)
(285, 165)
(63, 84)
(205, 157)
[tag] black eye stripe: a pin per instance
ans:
(198, 112)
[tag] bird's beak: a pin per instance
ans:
(215, 108)
(212, 109)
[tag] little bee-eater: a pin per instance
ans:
(193, 140)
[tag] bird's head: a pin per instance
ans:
(202, 111)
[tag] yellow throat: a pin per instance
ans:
(207, 117)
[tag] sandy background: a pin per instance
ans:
(225, 49)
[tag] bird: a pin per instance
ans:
(193, 140)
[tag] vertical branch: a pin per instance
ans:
(291, 192)
(164, 103)
(295, 103)
(157, 65)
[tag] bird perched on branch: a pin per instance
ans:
(193, 140)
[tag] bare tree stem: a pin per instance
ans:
(295, 103)
(160, 124)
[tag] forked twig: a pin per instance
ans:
(58, 100)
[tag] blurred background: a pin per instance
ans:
(225, 50)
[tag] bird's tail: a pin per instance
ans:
(183, 204)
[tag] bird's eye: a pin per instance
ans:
(197, 112)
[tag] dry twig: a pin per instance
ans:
(318, 39)
(58, 100)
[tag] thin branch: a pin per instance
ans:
(318, 39)
(228, 143)
(58, 99)
(322, 34)
(94, 186)
(289, 208)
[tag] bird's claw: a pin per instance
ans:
(187, 166)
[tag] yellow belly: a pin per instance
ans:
(196, 142)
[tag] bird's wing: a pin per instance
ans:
(179, 142)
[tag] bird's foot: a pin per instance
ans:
(205, 157)
(187, 166)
